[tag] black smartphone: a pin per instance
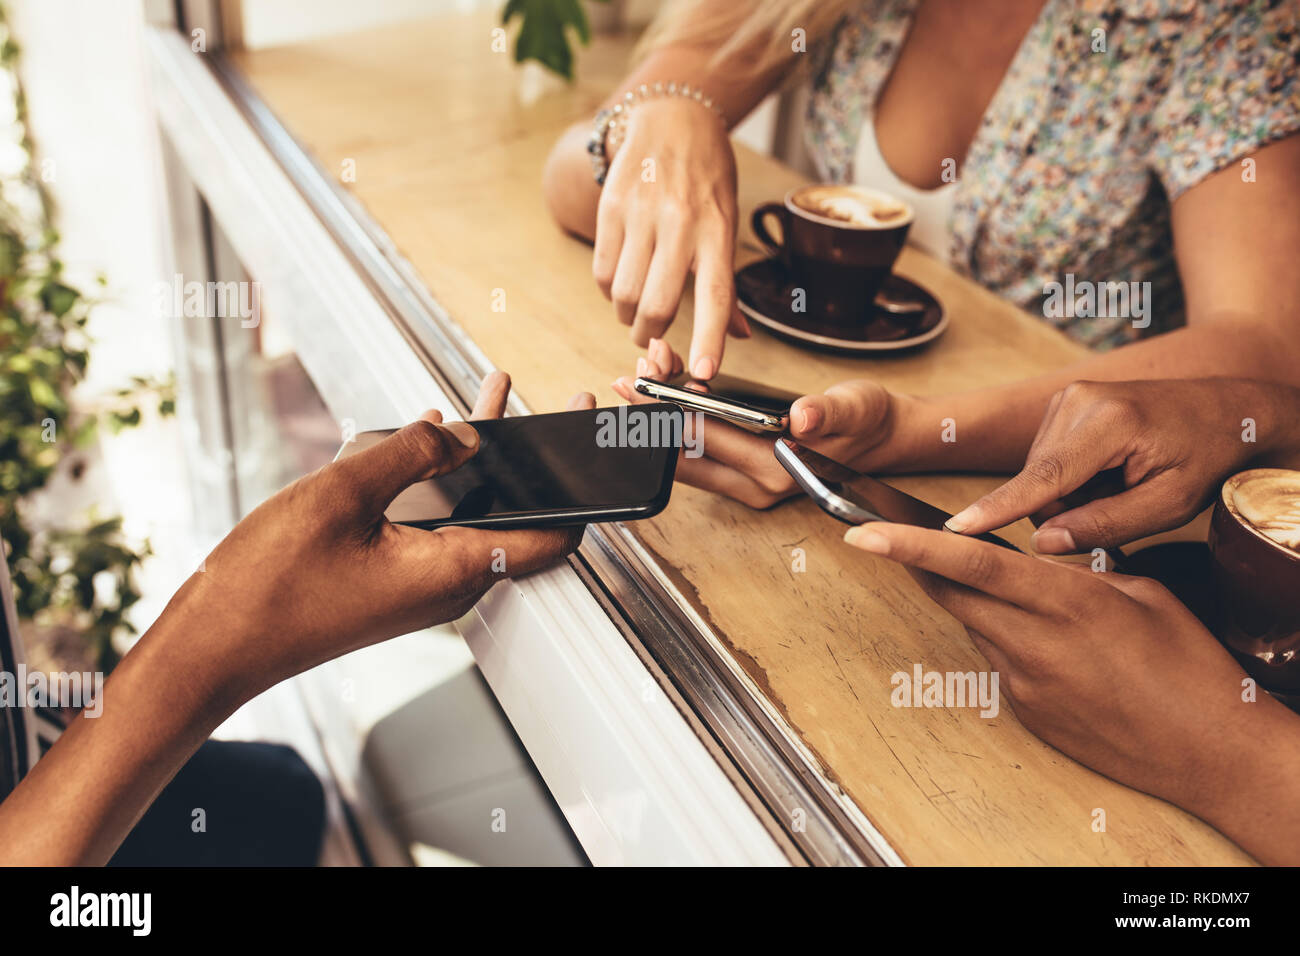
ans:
(565, 468)
(732, 399)
(854, 498)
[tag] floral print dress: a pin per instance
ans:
(1109, 111)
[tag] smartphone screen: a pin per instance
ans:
(609, 464)
(773, 400)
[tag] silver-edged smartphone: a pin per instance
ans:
(735, 400)
(854, 498)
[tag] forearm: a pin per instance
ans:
(84, 796)
(991, 429)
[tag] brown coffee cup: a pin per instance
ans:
(841, 254)
(1254, 536)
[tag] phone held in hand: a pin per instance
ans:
(731, 399)
(855, 498)
(554, 470)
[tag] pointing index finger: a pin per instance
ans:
(715, 301)
(1050, 474)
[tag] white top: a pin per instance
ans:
(933, 207)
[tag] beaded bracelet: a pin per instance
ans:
(612, 119)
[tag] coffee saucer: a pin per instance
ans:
(766, 293)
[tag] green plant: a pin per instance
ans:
(543, 32)
(74, 577)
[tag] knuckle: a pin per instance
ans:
(1103, 527)
(1036, 662)
(1103, 399)
(1024, 690)
(425, 441)
(775, 483)
(979, 564)
(657, 310)
(857, 401)
(602, 270)
(1185, 511)
(1047, 469)
(1077, 605)
(1117, 408)
(757, 498)
(674, 211)
(840, 410)
(624, 292)
(1148, 590)
(610, 205)
(1078, 392)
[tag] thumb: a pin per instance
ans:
(374, 477)
(850, 408)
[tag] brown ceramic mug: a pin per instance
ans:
(1255, 555)
(840, 242)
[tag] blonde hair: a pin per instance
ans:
(756, 36)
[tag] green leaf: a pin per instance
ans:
(11, 254)
(43, 354)
(58, 299)
(84, 432)
(120, 420)
(43, 393)
(542, 34)
(571, 12)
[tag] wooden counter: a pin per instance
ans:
(448, 159)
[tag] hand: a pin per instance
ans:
(318, 571)
(853, 423)
(1115, 672)
(314, 572)
(653, 230)
(1116, 461)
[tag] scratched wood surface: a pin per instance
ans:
(448, 158)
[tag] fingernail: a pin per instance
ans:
(642, 367)
(463, 432)
(808, 419)
(868, 539)
(1053, 541)
(961, 520)
(703, 367)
